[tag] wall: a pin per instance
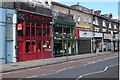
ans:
(2, 35)
(7, 35)
(82, 24)
(59, 9)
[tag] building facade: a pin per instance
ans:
(97, 30)
(83, 18)
(63, 30)
(8, 38)
(106, 27)
(34, 32)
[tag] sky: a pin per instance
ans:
(106, 6)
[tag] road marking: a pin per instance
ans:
(46, 74)
(101, 60)
(64, 63)
(106, 68)
(60, 70)
(32, 76)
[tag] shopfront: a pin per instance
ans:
(63, 38)
(98, 41)
(84, 42)
(116, 42)
(107, 44)
(34, 36)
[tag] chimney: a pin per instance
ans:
(110, 15)
(97, 12)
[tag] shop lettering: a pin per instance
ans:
(21, 16)
(27, 16)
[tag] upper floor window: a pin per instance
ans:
(96, 29)
(78, 18)
(95, 21)
(104, 30)
(104, 23)
(89, 20)
(55, 12)
(115, 26)
(110, 25)
(85, 19)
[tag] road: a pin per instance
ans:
(75, 70)
(108, 72)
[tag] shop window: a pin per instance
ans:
(66, 31)
(28, 31)
(46, 46)
(39, 46)
(38, 25)
(44, 31)
(33, 46)
(48, 32)
(44, 25)
(33, 31)
(58, 30)
(27, 46)
(72, 32)
(39, 32)
(30, 47)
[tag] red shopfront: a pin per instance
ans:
(34, 36)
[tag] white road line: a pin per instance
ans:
(46, 74)
(106, 68)
(102, 60)
(32, 76)
(60, 70)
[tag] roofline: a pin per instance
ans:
(106, 18)
(65, 6)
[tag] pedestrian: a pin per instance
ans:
(97, 51)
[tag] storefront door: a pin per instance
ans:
(20, 51)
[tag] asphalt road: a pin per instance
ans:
(77, 72)
(71, 69)
(111, 72)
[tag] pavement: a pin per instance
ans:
(43, 62)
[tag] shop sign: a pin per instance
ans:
(19, 26)
(107, 36)
(85, 34)
(34, 17)
(98, 34)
